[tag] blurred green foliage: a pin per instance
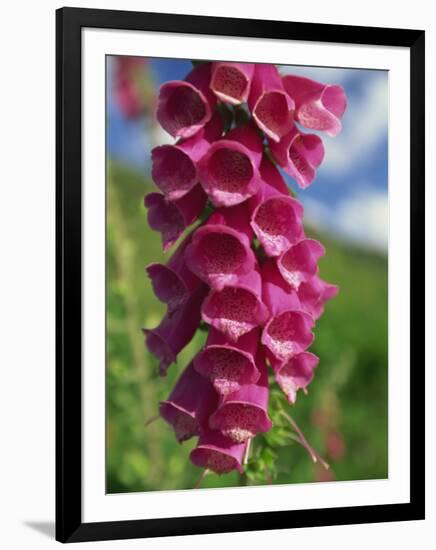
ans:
(344, 415)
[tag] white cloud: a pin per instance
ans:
(160, 137)
(316, 213)
(361, 218)
(364, 218)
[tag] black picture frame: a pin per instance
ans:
(69, 23)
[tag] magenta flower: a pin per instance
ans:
(237, 309)
(189, 405)
(174, 168)
(299, 155)
(229, 364)
(127, 92)
(243, 414)
(185, 106)
(176, 330)
(295, 374)
(231, 81)
(335, 445)
(272, 108)
(218, 453)
(300, 262)
(173, 283)
(314, 294)
(258, 303)
(288, 331)
(129, 98)
(317, 106)
(220, 251)
(229, 171)
(171, 218)
(276, 219)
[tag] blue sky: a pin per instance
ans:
(349, 197)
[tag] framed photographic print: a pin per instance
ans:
(240, 274)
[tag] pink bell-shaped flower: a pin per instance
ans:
(288, 332)
(185, 106)
(231, 81)
(218, 453)
(236, 310)
(317, 106)
(272, 108)
(299, 155)
(189, 405)
(276, 218)
(220, 251)
(229, 364)
(300, 262)
(173, 283)
(243, 414)
(174, 167)
(176, 330)
(229, 171)
(171, 218)
(295, 374)
(314, 294)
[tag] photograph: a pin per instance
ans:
(247, 225)
(221, 224)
